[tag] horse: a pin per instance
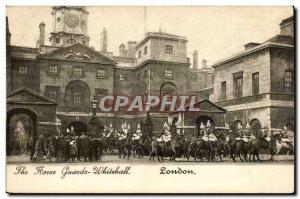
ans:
(239, 148)
(219, 147)
(137, 148)
(178, 147)
(262, 143)
(282, 146)
(197, 147)
(157, 150)
(125, 147)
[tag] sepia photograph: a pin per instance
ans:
(150, 99)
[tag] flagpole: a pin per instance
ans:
(145, 18)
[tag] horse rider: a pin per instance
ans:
(210, 134)
(138, 134)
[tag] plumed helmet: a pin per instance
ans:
(208, 124)
(202, 125)
(248, 126)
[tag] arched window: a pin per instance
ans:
(77, 95)
(145, 50)
(168, 89)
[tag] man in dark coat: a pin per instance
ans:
(79, 146)
(67, 149)
(85, 146)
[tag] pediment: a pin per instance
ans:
(25, 95)
(78, 52)
(208, 106)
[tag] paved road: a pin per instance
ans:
(282, 159)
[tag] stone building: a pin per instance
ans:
(256, 86)
(70, 73)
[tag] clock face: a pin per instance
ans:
(71, 20)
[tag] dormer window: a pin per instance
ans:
(101, 73)
(71, 41)
(53, 69)
(168, 49)
(168, 73)
(77, 72)
(122, 77)
(23, 70)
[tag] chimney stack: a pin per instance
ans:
(42, 33)
(287, 27)
(204, 63)
(195, 59)
(103, 40)
(131, 48)
(122, 51)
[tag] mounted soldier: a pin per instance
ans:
(123, 139)
(137, 141)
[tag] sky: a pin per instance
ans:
(216, 32)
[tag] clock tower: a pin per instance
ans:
(69, 26)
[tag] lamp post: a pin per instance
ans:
(94, 123)
(94, 106)
(148, 126)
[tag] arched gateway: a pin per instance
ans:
(77, 127)
(28, 115)
(21, 127)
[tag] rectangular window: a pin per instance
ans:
(140, 54)
(238, 84)
(255, 83)
(168, 73)
(57, 40)
(23, 70)
(194, 78)
(122, 77)
(101, 73)
(145, 73)
(288, 81)
(223, 91)
(52, 95)
(77, 98)
(168, 49)
(53, 69)
(77, 71)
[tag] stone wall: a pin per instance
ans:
(65, 76)
(30, 80)
(249, 64)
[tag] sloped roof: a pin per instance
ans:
(283, 39)
(79, 53)
(162, 35)
(26, 95)
(207, 106)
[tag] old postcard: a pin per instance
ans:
(150, 99)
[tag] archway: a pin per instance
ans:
(203, 119)
(21, 131)
(77, 95)
(255, 127)
(78, 127)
